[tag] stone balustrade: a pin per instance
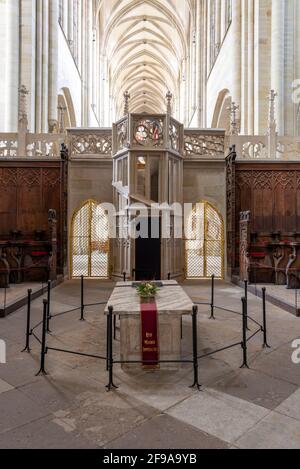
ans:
(198, 144)
(203, 144)
(89, 143)
(23, 144)
(264, 148)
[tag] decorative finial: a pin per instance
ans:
(126, 102)
(234, 126)
(61, 118)
(272, 121)
(169, 97)
(23, 118)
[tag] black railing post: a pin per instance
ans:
(115, 327)
(107, 342)
(82, 299)
(246, 283)
(212, 304)
(169, 276)
(195, 349)
(44, 338)
(265, 344)
(5, 300)
(110, 385)
(124, 277)
(28, 330)
(48, 305)
(244, 343)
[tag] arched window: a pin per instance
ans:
(204, 243)
(90, 242)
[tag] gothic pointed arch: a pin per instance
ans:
(89, 241)
(221, 116)
(205, 242)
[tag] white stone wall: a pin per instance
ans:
(9, 64)
(260, 52)
(205, 181)
(89, 180)
(69, 77)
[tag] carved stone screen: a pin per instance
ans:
(90, 242)
(204, 243)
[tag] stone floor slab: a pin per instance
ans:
(219, 414)
(43, 434)
(255, 387)
(16, 409)
(291, 406)
(102, 417)
(276, 431)
(5, 387)
(165, 432)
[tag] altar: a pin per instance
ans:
(171, 304)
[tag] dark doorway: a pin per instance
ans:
(148, 253)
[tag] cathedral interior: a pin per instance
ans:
(117, 104)
(97, 85)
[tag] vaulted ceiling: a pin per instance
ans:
(144, 44)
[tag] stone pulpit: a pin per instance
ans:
(148, 175)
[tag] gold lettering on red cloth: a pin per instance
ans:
(149, 326)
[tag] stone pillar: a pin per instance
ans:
(277, 60)
(38, 71)
(290, 61)
(28, 57)
(70, 23)
(244, 68)
(297, 56)
(236, 52)
(218, 24)
(9, 62)
(250, 67)
(45, 71)
(53, 64)
(199, 61)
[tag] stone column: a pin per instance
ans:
(277, 60)
(9, 61)
(236, 52)
(53, 63)
(244, 68)
(39, 71)
(45, 70)
(297, 103)
(28, 57)
(218, 23)
(250, 67)
(70, 23)
(199, 45)
(290, 61)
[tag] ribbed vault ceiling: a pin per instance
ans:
(145, 44)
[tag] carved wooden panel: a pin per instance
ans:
(271, 192)
(28, 190)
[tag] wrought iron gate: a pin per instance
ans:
(90, 242)
(204, 243)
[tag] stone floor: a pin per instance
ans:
(16, 292)
(281, 293)
(70, 408)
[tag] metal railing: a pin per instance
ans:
(111, 333)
